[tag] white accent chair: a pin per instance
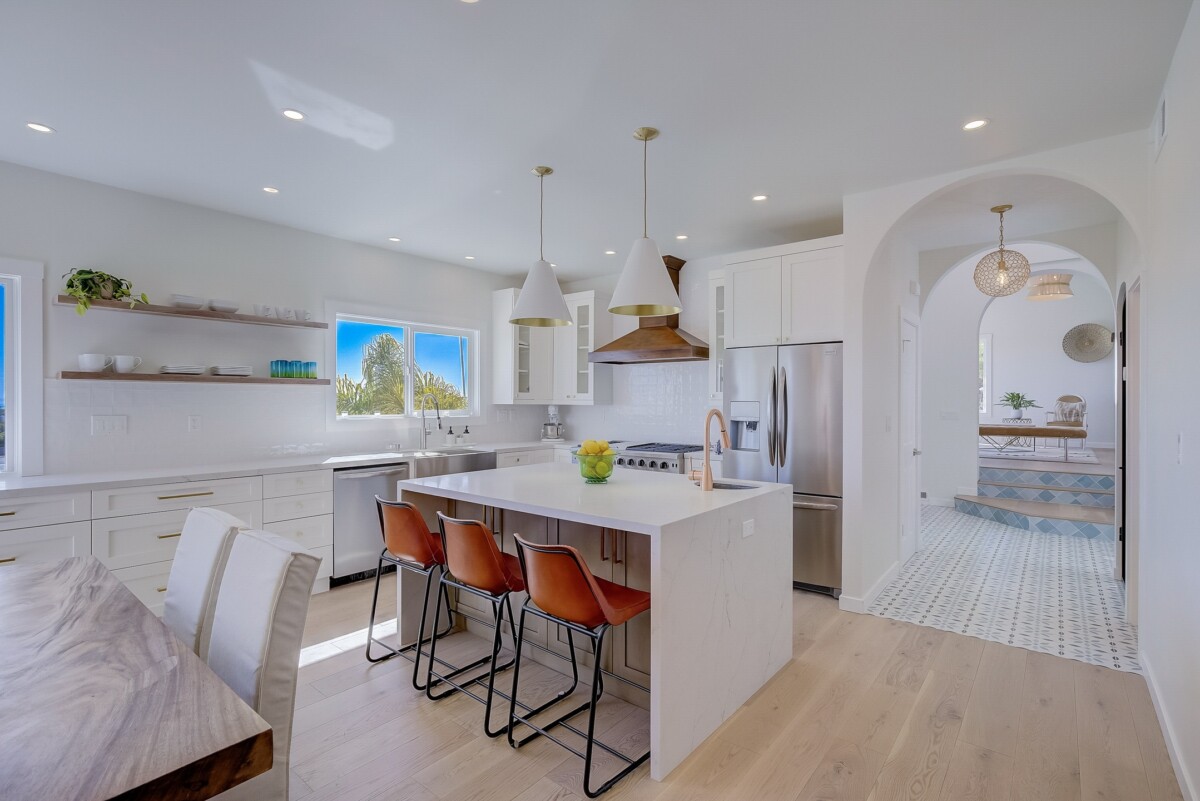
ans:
(1069, 411)
(195, 578)
(255, 646)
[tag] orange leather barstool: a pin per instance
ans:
(409, 545)
(563, 590)
(475, 564)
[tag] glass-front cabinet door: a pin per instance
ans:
(716, 336)
(577, 380)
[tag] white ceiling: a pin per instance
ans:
(425, 116)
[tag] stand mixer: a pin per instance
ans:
(552, 429)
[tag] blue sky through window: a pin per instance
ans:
(444, 354)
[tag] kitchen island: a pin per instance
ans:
(718, 565)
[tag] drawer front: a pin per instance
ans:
(315, 503)
(44, 510)
(44, 544)
(517, 458)
(325, 552)
(133, 540)
(148, 583)
(310, 532)
(182, 495)
(281, 485)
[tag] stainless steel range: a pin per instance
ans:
(664, 457)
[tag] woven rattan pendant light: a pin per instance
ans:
(1001, 272)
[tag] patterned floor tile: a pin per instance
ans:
(1047, 592)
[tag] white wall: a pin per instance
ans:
(1027, 354)
(165, 247)
(1169, 614)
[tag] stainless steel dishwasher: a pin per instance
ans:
(356, 537)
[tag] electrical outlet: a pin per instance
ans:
(109, 424)
(748, 527)
(193, 422)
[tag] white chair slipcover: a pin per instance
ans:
(195, 578)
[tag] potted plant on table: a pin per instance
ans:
(1018, 403)
(87, 285)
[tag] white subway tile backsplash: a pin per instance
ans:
(651, 402)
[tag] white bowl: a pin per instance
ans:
(229, 306)
(187, 302)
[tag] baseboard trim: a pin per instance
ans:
(1186, 785)
(850, 603)
(947, 502)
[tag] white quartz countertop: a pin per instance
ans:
(632, 500)
(32, 485)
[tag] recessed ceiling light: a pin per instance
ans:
(975, 125)
(759, 197)
(552, 264)
(610, 253)
(37, 126)
(681, 236)
(469, 258)
(393, 239)
(470, 1)
(270, 190)
(292, 114)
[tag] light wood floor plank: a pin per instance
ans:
(958, 655)
(1160, 774)
(876, 720)
(992, 718)
(977, 774)
(1110, 760)
(1046, 766)
(911, 661)
(846, 773)
(916, 767)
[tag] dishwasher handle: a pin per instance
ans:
(816, 507)
(372, 474)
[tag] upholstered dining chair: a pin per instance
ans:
(195, 578)
(1070, 411)
(255, 646)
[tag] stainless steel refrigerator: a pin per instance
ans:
(784, 408)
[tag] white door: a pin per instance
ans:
(910, 504)
(1133, 451)
(753, 304)
(812, 291)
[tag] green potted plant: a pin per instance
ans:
(1018, 403)
(87, 285)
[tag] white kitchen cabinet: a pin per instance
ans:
(519, 458)
(281, 485)
(296, 506)
(43, 510)
(522, 357)
(148, 583)
(813, 296)
(577, 381)
(716, 335)
(786, 300)
(132, 540)
(178, 495)
(44, 543)
(563, 455)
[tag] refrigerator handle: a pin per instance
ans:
(783, 413)
(771, 398)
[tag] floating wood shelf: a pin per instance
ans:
(198, 314)
(76, 375)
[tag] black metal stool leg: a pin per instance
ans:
(371, 625)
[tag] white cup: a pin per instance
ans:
(284, 313)
(126, 364)
(263, 310)
(93, 362)
(303, 314)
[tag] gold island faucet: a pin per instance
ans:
(706, 478)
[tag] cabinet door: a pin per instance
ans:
(752, 303)
(596, 545)
(534, 529)
(813, 296)
(574, 375)
(716, 336)
(534, 365)
(631, 642)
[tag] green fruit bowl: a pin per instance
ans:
(595, 469)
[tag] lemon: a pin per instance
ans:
(609, 452)
(602, 444)
(588, 446)
(603, 469)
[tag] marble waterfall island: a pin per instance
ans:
(718, 565)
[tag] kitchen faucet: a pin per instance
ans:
(428, 396)
(706, 478)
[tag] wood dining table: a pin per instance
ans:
(100, 700)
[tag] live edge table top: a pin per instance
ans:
(99, 700)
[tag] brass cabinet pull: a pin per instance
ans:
(603, 545)
(170, 536)
(8, 559)
(184, 495)
(161, 589)
(8, 514)
(617, 560)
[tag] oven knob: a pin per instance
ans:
(664, 465)
(641, 462)
(620, 461)
(653, 465)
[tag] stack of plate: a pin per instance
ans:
(238, 370)
(182, 369)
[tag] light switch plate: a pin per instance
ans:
(193, 422)
(748, 527)
(109, 424)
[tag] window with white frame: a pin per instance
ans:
(985, 374)
(6, 366)
(21, 367)
(385, 367)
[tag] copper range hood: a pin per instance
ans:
(657, 339)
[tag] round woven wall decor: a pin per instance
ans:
(1089, 342)
(1015, 275)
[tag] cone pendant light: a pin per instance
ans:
(644, 288)
(541, 302)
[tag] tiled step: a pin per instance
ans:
(1047, 494)
(1055, 479)
(1048, 518)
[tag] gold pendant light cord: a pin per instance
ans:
(1001, 232)
(542, 217)
(645, 191)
